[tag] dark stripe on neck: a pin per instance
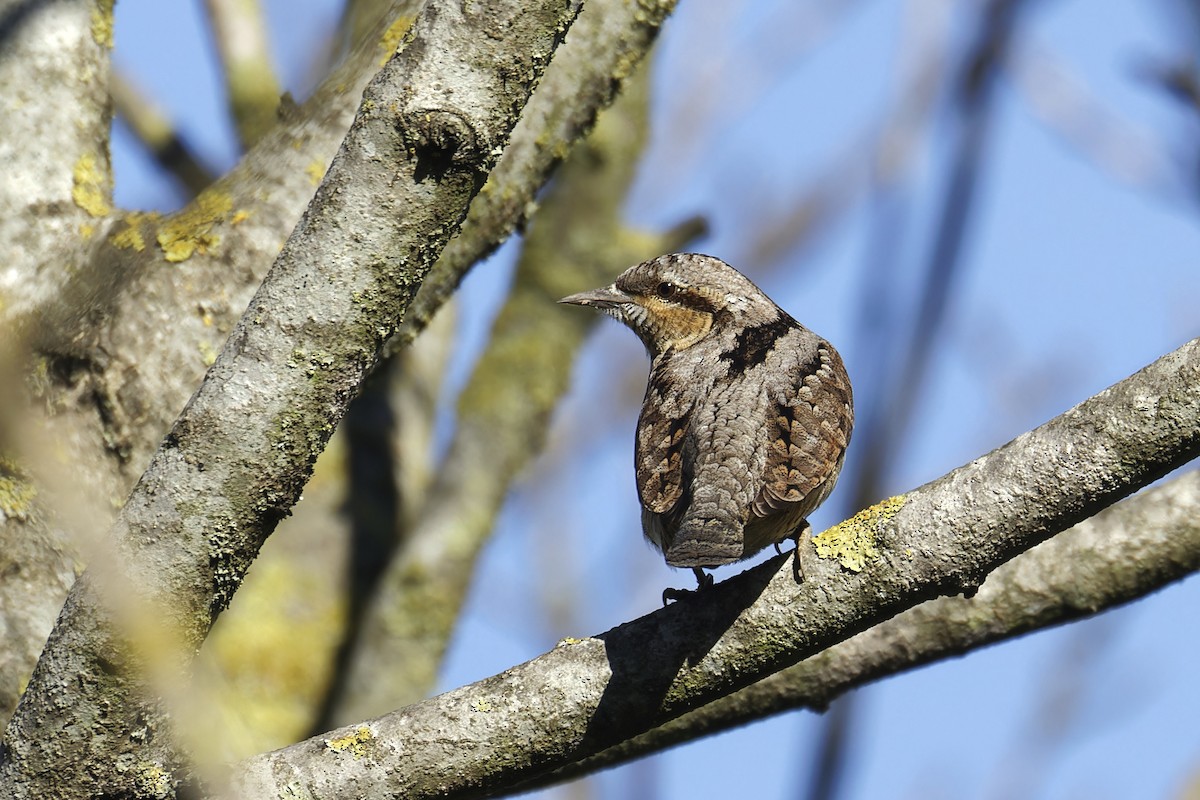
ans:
(754, 344)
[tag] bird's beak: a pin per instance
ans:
(605, 297)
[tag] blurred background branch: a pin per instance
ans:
(239, 32)
(151, 127)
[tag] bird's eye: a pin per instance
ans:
(665, 290)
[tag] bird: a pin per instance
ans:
(746, 418)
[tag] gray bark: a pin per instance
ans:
(123, 335)
(54, 118)
(1123, 553)
(430, 127)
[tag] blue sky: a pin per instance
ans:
(1073, 277)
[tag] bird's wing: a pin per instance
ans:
(809, 424)
(659, 452)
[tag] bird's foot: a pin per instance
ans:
(703, 581)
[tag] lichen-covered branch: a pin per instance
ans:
(34, 555)
(56, 190)
(940, 539)
(426, 135)
(576, 239)
(124, 335)
(1125, 552)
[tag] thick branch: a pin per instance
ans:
(942, 538)
(57, 182)
(1125, 552)
(143, 315)
(425, 136)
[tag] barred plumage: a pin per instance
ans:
(747, 413)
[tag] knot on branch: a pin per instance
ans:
(441, 141)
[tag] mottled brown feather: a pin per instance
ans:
(747, 413)
(659, 448)
(808, 434)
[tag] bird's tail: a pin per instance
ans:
(705, 543)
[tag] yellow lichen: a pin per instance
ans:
(390, 41)
(102, 23)
(354, 743)
(482, 706)
(316, 171)
(852, 542)
(239, 216)
(90, 186)
(208, 353)
(190, 231)
(152, 780)
(131, 236)
(16, 491)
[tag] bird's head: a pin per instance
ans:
(674, 301)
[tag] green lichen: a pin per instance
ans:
(389, 43)
(852, 542)
(315, 171)
(89, 187)
(102, 23)
(191, 230)
(17, 492)
(356, 743)
(133, 235)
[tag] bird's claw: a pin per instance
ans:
(703, 581)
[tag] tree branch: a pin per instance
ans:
(126, 335)
(1125, 552)
(57, 185)
(427, 132)
(587, 695)
(240, 34)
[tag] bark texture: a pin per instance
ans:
(430, 127)
(1123, 553)
(125, 329)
